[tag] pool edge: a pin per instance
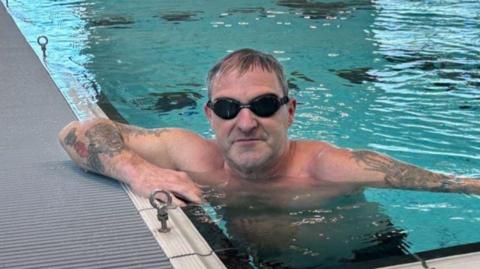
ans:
(464, 261)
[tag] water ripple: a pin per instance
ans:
(430, 77)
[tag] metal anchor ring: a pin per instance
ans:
(39, 40)
(156, 203)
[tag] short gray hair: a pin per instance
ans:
(243, 60)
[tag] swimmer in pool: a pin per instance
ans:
(250, 112)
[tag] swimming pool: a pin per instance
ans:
(399, 77)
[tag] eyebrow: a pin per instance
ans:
(260, 95)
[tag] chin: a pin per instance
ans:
(249, 162)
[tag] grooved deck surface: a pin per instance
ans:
(52, 214)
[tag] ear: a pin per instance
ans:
(208, 113)
(292, 106)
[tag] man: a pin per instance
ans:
(250, 113)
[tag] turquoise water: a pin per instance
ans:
(398, 77)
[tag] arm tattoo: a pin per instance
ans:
(136, 131)
(401, 175)
(102, 139)
(79, 146)
(71, 138)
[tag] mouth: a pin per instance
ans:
(247, 140)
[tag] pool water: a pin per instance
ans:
(301, 228)
(396, 76)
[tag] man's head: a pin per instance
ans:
(244, 60)
(249, 110)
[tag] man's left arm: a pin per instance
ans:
(393, 173)
(369, 168)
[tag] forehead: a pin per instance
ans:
(254, 82)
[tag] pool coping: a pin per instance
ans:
(464, 261)
(465, 256)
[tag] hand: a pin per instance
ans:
(178, 183)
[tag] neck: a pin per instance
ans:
(271, 170)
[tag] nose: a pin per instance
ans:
(246, 121)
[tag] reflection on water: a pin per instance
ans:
(261, 11)
(434, 42)
(180, 16)
(297, 76)
(113, 21)
(430, 77)
(356, 75)
(167, 101)
(323, 10)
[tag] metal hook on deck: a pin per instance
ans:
(162, 213)
(43, 41)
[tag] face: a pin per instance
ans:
(250, 142)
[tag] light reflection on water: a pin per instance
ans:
(431, 77)
(400, 77)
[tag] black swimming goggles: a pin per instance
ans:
(262, 106)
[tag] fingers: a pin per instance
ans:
(191, 194)
(178, 202)
(184, 191)
(188, 200)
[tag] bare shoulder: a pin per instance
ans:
(327, 161)
(321, 150)
(193, 152)
(186, 139)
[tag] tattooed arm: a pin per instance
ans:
(374, 169)
(136, 156)
(397, 174)
(86, 147)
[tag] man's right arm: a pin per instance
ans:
(136, 156)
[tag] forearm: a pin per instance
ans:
(96, 146)
(463, 185)
(401, 175)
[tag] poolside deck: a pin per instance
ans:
(52, 214)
